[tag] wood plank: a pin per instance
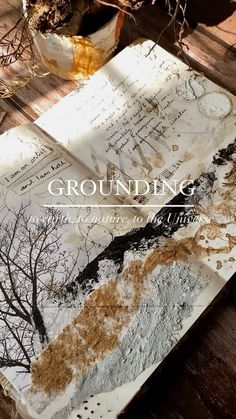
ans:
(207, 55)
(212, 59)
(13, 116)
(224, 33)
(7, 407)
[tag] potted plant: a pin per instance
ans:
(73, 38)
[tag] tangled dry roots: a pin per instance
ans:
(45, 16)
(16, 46)
(178, 11)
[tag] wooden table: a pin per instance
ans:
(198, 379)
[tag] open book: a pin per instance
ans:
(117, 230)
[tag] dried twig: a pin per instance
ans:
(173, 12)
(9, 87)
(116, 6)
(16, 45)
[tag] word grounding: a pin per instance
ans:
(131, 188)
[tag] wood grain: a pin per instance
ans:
(7, 407)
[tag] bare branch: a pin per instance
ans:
(28, 251)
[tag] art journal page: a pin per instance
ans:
(48, 235)
(91, 306)
(131, 304)
(144, 119)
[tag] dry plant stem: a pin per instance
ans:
(116, 7)
(183, 24)
(16, 42)
(9, 87)
(17, 45)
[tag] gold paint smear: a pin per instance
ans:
(87, 58)
(86, 340)
(119, 24)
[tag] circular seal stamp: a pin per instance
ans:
(215, 105)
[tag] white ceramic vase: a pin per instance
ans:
(77, 57)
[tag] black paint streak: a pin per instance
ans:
(225, 154)
(149, 235)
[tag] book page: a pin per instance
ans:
(144, 116)
(144, 292)
(46, 239)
